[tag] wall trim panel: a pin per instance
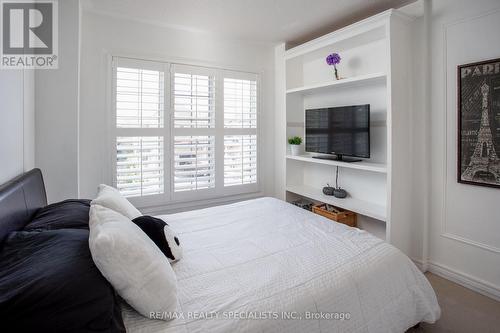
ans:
(444, 218)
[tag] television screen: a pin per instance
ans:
(339, 130)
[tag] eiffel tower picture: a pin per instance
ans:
(484, 163)
(479, 123)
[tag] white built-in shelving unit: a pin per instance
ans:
(367, 166)
(366, 208)
(375, 70)
(348, 82)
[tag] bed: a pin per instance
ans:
(266, 266)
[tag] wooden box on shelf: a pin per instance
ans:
(336, 214)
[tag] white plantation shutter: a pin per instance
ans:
(139, 165)
(183, 132)
(139, 110)
(240, 159)
(193, 92)
(240, 103)
(240, 128)
(139, 98)
(194, 163)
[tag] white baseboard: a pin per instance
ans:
(465, 280)
(419, 263)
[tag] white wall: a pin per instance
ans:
(56, 111)
(104, 35)
(29, 120)
(11, 124)
(280, 120)
(16, 122)
(464, 236)
(420, 170)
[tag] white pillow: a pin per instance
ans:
(132, 263)
(111, 198)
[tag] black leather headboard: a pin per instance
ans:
(19, 200)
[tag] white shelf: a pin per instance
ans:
(349, 82)
(362, 207)
(367, 166)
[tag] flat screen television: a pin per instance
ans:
(340, 131)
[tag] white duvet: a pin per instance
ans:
(266, 266)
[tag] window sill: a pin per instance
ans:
(186, 205)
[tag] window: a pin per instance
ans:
(240, 119)
(240, 103)
(183, 132)
(139, 165)
(240, 159)
(139, 98)
(139, 126)
(194, 104)
(193, 91)
(194, 158)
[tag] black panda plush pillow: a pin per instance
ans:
(162, 235)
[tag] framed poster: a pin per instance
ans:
(479, 123)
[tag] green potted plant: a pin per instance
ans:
(295, 145)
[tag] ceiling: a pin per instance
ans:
(292, 21)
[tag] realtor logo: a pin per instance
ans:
(29, 34)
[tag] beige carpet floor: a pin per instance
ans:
(462, 310)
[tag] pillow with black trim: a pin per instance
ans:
(67, 214)
(162, 235)
(49, 283)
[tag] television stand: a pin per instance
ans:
(340, 158)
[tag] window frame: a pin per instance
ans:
(116, 132)
(253, 187)
(176, 131)
(168, 132)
